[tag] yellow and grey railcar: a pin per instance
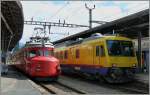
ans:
(110, 57)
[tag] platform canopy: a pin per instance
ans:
(11, 24)
(128, 26)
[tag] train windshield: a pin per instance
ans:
(39, 53)
(48, 53)
(32, 53)
(120, 48)
(45, 53)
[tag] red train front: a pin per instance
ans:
(37, 59)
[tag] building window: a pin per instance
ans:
(66, 54)
(77, 53)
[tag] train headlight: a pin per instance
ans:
(134, 65)
(58, 67)
(114, 65)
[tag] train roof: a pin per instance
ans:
(39, 42)
(39, 45)
(93, 37)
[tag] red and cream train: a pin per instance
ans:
(36, 59)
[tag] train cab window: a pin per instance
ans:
(48, 53)
(114, 48)
(77, 53)
(97, 50)
(39, 53)
(32, 53)
(120, 48)
(127, 48)
(102, 52)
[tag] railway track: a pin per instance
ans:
(60, 88)
(53, 87)
(131, 87)
(135, 87)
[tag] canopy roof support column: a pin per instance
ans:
(139, 51)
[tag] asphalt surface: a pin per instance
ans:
(15, 83)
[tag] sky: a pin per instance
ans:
(74, 12)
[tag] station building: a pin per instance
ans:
(12, 22)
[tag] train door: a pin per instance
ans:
(72, 59)
(72, 55)
(96, 54)
(30, 55)
(102, 56)
(27, 61)
(99, 54)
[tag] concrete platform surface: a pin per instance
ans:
(15, 83)
(142, 77)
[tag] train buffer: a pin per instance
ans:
(14, 83)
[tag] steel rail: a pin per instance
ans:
(134, 87)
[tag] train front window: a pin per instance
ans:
(48, 53)
(127, 48)
(32, 53)
(120, 48)
(114, 48)
(39, 53)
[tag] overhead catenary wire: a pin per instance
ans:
(73, 13)
(60, 9)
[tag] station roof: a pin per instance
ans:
(12, 24)
(127, 26)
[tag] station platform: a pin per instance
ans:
(142, 77)
(14, 83)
